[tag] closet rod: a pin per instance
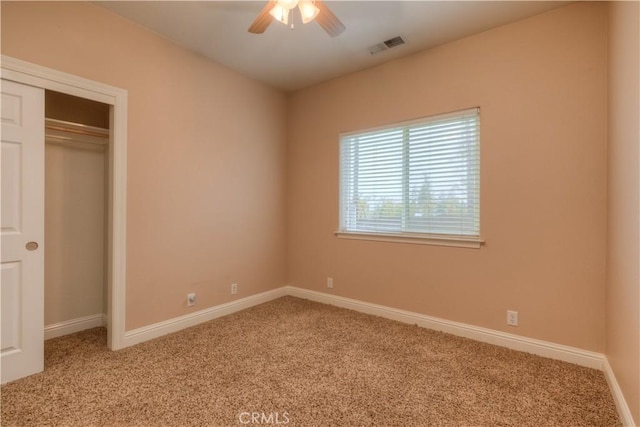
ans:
(61, 132)
(73, 140)
(61, 125)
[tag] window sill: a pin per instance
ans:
(459, 242)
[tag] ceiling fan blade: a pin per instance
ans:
(328, 21)
(263, 20)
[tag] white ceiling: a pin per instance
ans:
(293, 59)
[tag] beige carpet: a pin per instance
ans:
(299, 363)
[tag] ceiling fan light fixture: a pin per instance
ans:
(308, 11)
(288, 4)
(280, 13)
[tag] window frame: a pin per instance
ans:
(423, 238)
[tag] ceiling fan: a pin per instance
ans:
(309, 10)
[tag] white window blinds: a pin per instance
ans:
(420, 177)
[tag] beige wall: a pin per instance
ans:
(623, 275)
(541, 86)
(206, 156)
(74, 232)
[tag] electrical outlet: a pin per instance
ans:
(329, 282)
(234, 288)
(191, 300)
(512, 318)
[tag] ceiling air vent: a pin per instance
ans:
(385, 45)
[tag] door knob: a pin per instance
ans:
(31, 246)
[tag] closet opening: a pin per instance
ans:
(76, 214)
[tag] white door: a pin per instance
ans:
(22, 233)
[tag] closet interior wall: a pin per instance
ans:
(76, 156)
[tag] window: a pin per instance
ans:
(416, 180)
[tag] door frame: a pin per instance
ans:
(46, 78)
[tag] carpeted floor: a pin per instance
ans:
(299, 363)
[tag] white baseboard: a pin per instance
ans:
(74, 325)
(156, 330)
(621, 404)
(529, 345)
